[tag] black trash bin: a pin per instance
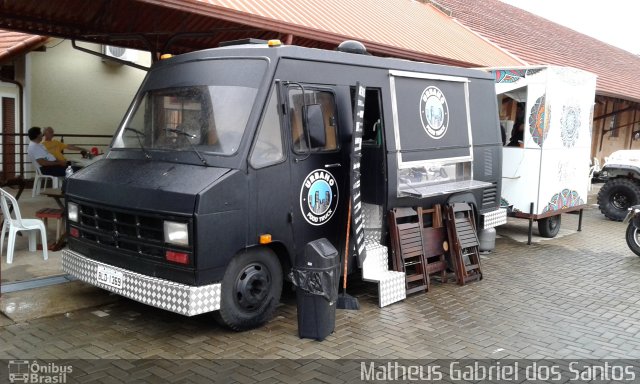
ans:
(316, 276)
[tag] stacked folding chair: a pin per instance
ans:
(465, 254)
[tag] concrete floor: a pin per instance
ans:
(572, 297)
(31, 265)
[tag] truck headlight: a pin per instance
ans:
(176, 233)
(72, 212)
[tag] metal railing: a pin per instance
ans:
(16, 162)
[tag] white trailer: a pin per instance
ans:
(548, 172)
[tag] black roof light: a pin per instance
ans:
(352, 46)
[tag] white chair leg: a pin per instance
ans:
(10, 245)
(39, 187)
(32, 241)
(45, 247)
(4, 228)
(36, 181)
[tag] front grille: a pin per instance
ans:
(119, 230)
(489, 196)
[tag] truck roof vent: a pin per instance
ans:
(352, 46)
(242, 42)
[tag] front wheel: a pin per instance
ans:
(549, 226)
(633, 239)
(251, 289)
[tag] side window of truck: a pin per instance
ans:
(268, 147)
(301, 140)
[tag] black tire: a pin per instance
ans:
(549, 226)
(616, 196)
(633, 238)
(251, 289)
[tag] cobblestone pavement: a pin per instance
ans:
(573, 297)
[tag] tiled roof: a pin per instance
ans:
(402, 28)
(16, 43)
(407, 28)
(539, 41)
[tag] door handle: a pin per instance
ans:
(334, 165)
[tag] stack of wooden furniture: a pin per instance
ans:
(418, 239)
(422, 241)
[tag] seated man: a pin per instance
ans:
(56, 147)
(49, 165)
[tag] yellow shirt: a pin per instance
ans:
(55, 147)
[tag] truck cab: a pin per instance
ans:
(230, 160)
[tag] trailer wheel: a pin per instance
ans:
(616, 196)
(633, 238)
(549, 226)
(251, 289)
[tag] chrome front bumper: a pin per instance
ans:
(175, 297)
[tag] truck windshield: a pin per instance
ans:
(208, 118)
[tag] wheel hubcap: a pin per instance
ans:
(620, 201)
(553, 223)
(635, 237)
(252, 286)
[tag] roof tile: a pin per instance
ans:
(15, 43)
(403, 25)
(537, 40)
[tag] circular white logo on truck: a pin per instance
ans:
(434, 112)
(318, 197)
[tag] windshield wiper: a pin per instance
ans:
(138, 134)
(189, 136)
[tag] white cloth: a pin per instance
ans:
(38, 151)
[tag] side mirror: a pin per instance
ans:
(314, 125)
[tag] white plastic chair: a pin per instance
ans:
(40, 177)
(595, 167)
(14, 223)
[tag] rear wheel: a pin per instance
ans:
(633, 239)
(616, 196)
(549, 226)
(251, 290)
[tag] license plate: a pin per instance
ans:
(110, 277)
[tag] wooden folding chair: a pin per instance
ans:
(464, 242)
(408, 250)
(436, 242)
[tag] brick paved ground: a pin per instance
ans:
(568, 298)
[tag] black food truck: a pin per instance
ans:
(230, 160)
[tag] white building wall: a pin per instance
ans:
(79, 93)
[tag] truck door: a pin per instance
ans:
(318, 171)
